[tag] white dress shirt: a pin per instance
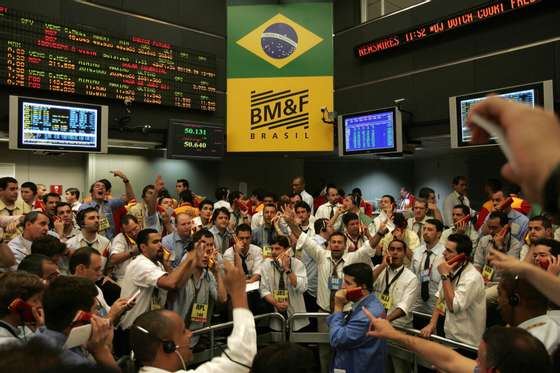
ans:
(307, 198)
(418, 227)
(20, 247)
(257, 220)
(324, 212)
(451, 201)
(545, 329)
(254, 259)
(270, 278)
(417, 266)
(101, 243)
(512, 248)
(121, 245)
(471, 232)
(325, 264)
(403, 292)
(142, 274)
(467, 322)
(241, 347)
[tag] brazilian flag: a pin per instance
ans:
(279, 76)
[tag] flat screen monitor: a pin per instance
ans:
(49, 125)
(194, 140)
(370, 132)
(534, 94)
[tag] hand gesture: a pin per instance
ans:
(387, 260)
(398, 233)
(234, 281)
(281, 306)
(445, 269)
(504, 262)
(286, 262)
(118, 308)
(101, 334)
(554, 266)
(427, 331)
(12, 227)
(58, 225)
(159, 184)
(461, 226)
(432, 206)
(238, 245)
(378, 327)
(499, 237)
(340, 297)
(120, 174)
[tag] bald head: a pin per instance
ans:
(298, 184)
(161, 325)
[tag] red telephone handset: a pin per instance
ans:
(23, 308)
(354, 294)
(457, 259)
(504, 204)
(82, 318)
(465, 219)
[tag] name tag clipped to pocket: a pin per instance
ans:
(385, 300)
(335, 283)
(280, 296)
(267, 251)
(104, 224)
(440, 306)
(425, 275)
(199, 313)
(487, 273)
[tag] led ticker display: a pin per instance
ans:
(36, 53)
(194, 140)
(468, 17)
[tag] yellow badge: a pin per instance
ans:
(440, 306)
(154, 303)
(267, 251)
(386, 301)
(280, 296)
(199, 313)
(104, 224)
(487, 273)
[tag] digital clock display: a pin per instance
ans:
(471, 16)
(186, 140)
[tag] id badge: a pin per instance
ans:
(385, 300)
(199, 313)
(487, 273)
(104, 224)
(440, 306)
(267, 251)
(335, 283)
(154, 303)
(425, 275)
(280, 296)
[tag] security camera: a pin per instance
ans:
(328, 116)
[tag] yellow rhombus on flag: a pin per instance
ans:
(305, 41)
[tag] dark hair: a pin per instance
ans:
(218, 211)
(391, 198)
(282, 358)
(243, 228)
(493, 184)
(144, 236)
(201, 233)
(50, 194)
(457, 179)
(422, 200)
(552, 244)
(15, 285)
(81, 215)
(107, 184)
(515, 350)
(362, 274)
(348, 217)
(499, 215)
(405, 246)
(270, 194)
(330, 186)
(281, 240)
(73, 191)
(159, 327)
(466, 209)
(126, 218)
(320, 225)
(185, 183)
(61, 204)
(146, 188)
(233, 196)
(4, 181)
(186, 196)
(33, 356)
(302, 205)
(357, 191)
(32, 217)
(438, 224)
(30, 185)
(425, 192)
(33, 264)
(65, 296)
(544, 221)
(48, 245)
(335, 233)
(399, 220)
(221, 193)
(258, 193)
(206, 202)
(464, 243)
(81, 256)
(270, 205)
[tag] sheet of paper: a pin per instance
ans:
(253, 286)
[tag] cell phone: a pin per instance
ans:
(78, 336)
(354, 294)
(82, 317)
(132, 299)
(457, 259)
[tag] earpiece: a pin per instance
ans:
(513, 300)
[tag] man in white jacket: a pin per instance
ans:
(161, 342)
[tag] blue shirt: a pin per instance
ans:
(354, 351)
(518, 218)
(263, 235)
(173, 242)
(108, 207)
(74, 356)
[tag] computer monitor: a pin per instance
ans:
(534, 94)
(376, 131)
(187, 139)
(49, 125)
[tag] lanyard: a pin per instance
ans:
(354, 242)
(457, 275)
(335, 264)
(387, 283)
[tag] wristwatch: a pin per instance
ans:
(444, 277)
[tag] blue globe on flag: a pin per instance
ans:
(279, 40)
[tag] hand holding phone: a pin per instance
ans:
(354, 294)
(131, 301)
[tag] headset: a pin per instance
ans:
(169, 347)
